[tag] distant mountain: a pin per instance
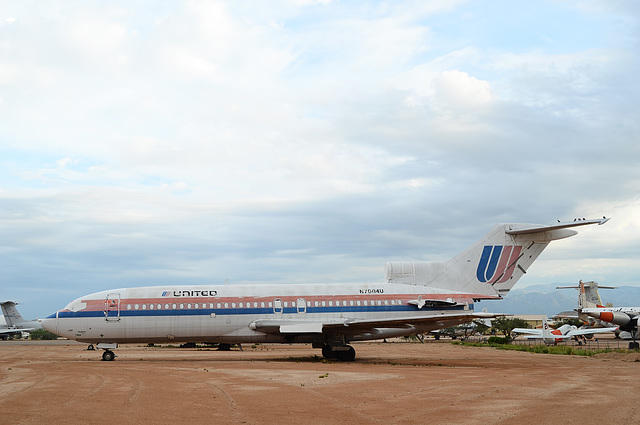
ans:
(545, 299)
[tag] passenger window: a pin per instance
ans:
(181, 306)
(173, 306)
(128, 306)
(350, 302)
(189, 306)
(330, 303)
(308, 303)
(358, 302)
(211, 305)
(324, 303)
(241, 305)
(286, 304)
(166, 306)
(366, 302)
(226, 305)
(233, 305)
(136, 307)
(196, 305)
(270, 304)
(219, 305)
(144, 306)
(262, 304)
(255, 304)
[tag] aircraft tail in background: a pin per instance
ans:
(14, 319)
(491, 266)
(588, 297)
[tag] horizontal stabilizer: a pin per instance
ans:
(540, 229)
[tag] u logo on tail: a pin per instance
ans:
(497, 263)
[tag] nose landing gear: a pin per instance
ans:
(107, 355)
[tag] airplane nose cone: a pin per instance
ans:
(50, 323)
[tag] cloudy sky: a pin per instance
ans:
(146, 143)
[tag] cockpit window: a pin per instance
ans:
(76, 305)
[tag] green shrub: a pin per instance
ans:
(499, 340)
(42, 334)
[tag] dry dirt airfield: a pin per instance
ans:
(396, 383)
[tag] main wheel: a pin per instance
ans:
(348, 355)
(224, 347)
(327, 352)
(108, 355)
(90, 347)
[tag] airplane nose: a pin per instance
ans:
(50, 323)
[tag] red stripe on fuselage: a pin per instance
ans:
(99, 304)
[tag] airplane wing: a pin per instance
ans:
(15, 330)
(527, 331)
(575, 332)
(357, 326)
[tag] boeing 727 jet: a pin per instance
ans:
(417, 297)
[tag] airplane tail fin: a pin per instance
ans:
(547, 336)
(11, 314)
(588, 297)
(491, 266)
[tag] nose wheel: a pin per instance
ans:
(107, 355)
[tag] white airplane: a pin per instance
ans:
(417, 297)
(563, 333)
(15, 324)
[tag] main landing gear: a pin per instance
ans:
(344, 353)
(108, 355)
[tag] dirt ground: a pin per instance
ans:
(395, 383)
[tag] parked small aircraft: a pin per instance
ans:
(563, 333)
(417, 297)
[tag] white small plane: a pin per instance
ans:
(416, 298)
(15, 324)
(563, 333)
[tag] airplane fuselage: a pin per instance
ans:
(225, 314)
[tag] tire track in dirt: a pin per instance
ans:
(352, 409)
(231, 404)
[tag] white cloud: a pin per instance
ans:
(155, 143)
